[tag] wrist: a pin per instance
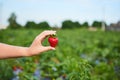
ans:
(26, 52)
(29, 52)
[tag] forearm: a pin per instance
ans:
(8, 51)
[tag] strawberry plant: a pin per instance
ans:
(80, 55)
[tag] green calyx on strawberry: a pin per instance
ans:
(53, 40)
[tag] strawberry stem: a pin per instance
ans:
(53, 35)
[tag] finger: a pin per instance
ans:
(50, 32)
(44, 34)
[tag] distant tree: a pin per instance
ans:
(68, 24)
(30, 24)
(85, 24)
(12, 22)
(43, 25)
(96, 24)
(77, 24)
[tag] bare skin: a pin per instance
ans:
(11, 51)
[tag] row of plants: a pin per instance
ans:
(80, 55)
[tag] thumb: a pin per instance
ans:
(47, 48)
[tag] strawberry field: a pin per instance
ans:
(80, 55)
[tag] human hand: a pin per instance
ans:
(36, 47)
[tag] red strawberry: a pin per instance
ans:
(14, 68)
(53, 41)
(20, 67)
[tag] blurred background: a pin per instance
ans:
(55, 12)
(88, 32)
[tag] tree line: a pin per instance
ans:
(67, 24)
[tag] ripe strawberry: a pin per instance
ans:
(20, 67)
(53, 41)
(14, 68)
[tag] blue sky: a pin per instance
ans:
(56, 11)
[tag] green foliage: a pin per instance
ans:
(43, 25)
(33, 25)
(97, 24)
(77, 69)
(85, 24)
(30, 25)
(12, 22)
(80, 55)
(68, 24)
